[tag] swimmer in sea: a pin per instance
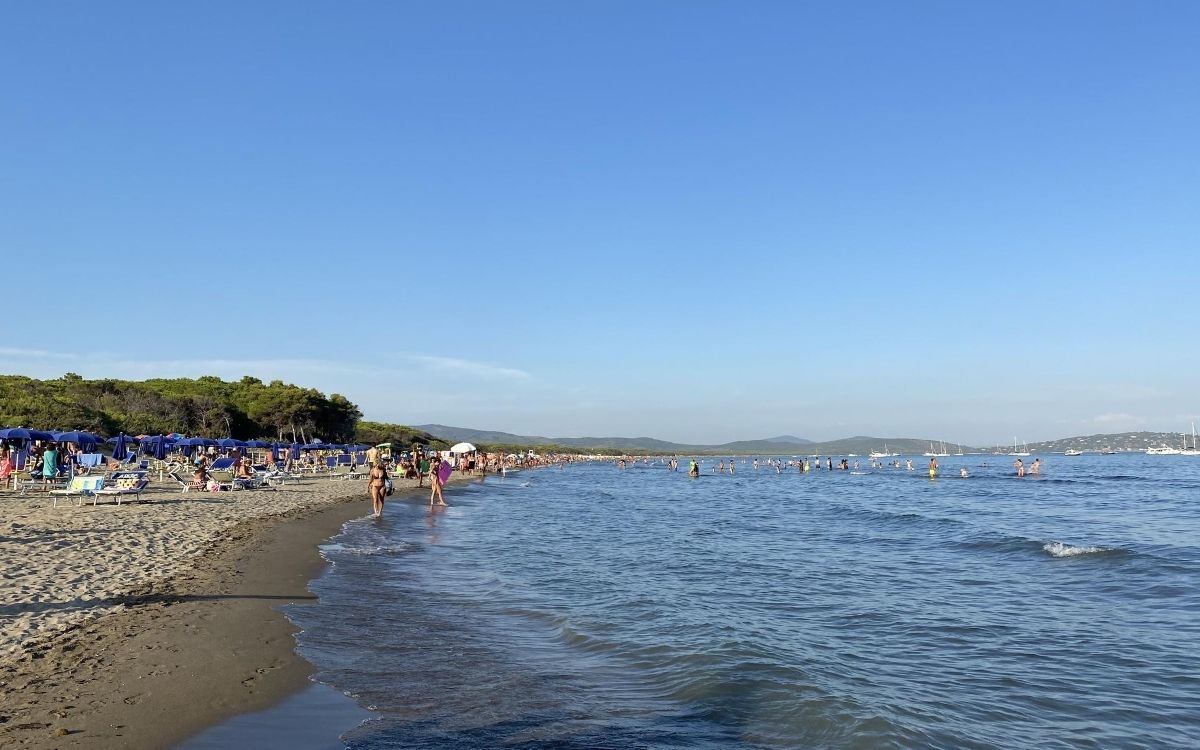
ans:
(1035, 468)
(963, 472)
(1019, 465)
(933, 468)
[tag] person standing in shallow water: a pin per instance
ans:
(377, 487)
(933, 468)
(435, 482)
(1019, 465)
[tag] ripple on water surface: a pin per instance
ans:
(593, 608)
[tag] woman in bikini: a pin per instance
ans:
(377, 487)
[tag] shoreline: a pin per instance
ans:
(185, 652)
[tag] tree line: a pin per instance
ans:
(207, 406)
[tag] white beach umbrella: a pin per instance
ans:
(462, 448)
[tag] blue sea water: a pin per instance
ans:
(588, 607)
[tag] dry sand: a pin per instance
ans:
(137, 626)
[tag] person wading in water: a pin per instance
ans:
(377, 487)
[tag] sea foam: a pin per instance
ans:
(1058, 549)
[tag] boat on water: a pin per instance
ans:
(1019, 448)
(884, 454)
(1108, 452)
(934, 452)
(1164, 450)
(1194, 450)
(1072, 452)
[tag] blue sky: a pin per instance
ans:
(700, 221)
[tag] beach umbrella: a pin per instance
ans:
(257, 444)
(319, 446)
(231, 443)
(21, 433)
(197, 442)
(156, 446)
(295, 448)
(79, 438)
(120, 452)
(462, 448)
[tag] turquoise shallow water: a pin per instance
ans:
(588, 607)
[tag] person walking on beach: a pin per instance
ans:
(436, 482)
(377, 487)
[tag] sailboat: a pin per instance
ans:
(934, 452)
(1022, 451)
(1194, 450)
(885, 454)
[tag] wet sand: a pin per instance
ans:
(189, 637)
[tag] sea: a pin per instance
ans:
(593, 607)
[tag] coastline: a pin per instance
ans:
(184, 652)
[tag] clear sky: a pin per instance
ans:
(699, 221)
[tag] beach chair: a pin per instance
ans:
(223, 478)
(256, 482)
(186, 485)
(80, 487)
(26, 481)
(125, 483)
(341, 471)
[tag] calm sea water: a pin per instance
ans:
(594, 608)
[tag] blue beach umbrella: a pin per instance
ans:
(295, 448)
(257, 444)
(197, 442)
(156, 446)
(120, 452)
(229, 442)
(79, 438)
(21, 433)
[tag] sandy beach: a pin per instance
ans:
(139, 625)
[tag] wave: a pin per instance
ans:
(1059, 549)
(370, 549)
(1024, 546)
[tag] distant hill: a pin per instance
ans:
(1121, 442)
(782, 445)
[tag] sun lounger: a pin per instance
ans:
(186, 485)
(124, 483)
(26, 481)
(80, 487)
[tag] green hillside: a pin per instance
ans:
(860, 445)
